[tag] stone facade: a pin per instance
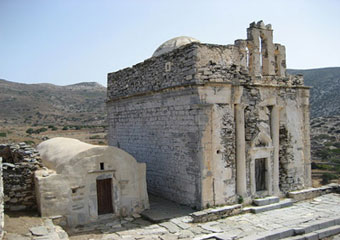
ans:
(214, 124)
(20, 161)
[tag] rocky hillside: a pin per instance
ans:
(41, 104)
(325, 148)
(325, 92)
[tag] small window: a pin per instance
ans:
(101, 166)
(168, 66)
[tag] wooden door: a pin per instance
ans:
(104, 196)
(260, 174)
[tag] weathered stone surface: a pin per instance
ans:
(216, 213)
(85, 183)
(266, 201)
(203, 116)
(312, 192)
(39, 231)
(281, 204)
(19, 163)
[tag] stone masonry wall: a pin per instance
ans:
(185, 112)
(168, 70)
(164, 131)
(191, 64)
(19, 163)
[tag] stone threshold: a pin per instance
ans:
(259, 209)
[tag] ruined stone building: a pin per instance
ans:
(214, 123)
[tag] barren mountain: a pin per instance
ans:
(325, 83)
(41, 104)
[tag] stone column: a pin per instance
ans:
(241, 183)
(306, 131)
(275, 126)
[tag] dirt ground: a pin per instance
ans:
(20, 222)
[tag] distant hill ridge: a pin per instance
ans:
(325, 92)
(76, 104)
(84, 103)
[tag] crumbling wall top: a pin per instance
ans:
(184, 61)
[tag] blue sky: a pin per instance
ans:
(69, 41)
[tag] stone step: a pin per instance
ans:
(266, 201)
(313, 192)
(319, 234)
(212, 214)
(259, 209)
(318, 230)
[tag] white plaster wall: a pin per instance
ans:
(72, 192)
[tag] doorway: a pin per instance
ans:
(260, 174)
(104, 196)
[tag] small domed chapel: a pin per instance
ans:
(82, 183)
(214, 123)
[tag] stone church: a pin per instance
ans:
(214, 123)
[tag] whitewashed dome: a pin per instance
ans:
(172, 44)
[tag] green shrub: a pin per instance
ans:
(323, 153)
(39, 130)
(95, 137)
(314, 165)
(65, 128)
(325, 136)
(3, 134)
(336, 151)
(29, 142)
(29, 131)
(326, 177)
(54, 128)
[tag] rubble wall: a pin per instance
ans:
(19, 164)
(176, 68)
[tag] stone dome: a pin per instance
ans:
(172, 44)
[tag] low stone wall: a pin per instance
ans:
(19, 163)
(314, 192)
(213, 214)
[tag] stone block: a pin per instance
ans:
(282, 204)
(216, 213)
(311, 236)
(299, 231)
(266, 201)
(39, 231)
(171, 227)
(323, 233)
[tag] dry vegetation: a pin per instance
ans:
(16, 134)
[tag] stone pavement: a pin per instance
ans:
(301, 215)
(162, 209)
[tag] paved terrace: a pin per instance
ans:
(319, 213)
(318, 218)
